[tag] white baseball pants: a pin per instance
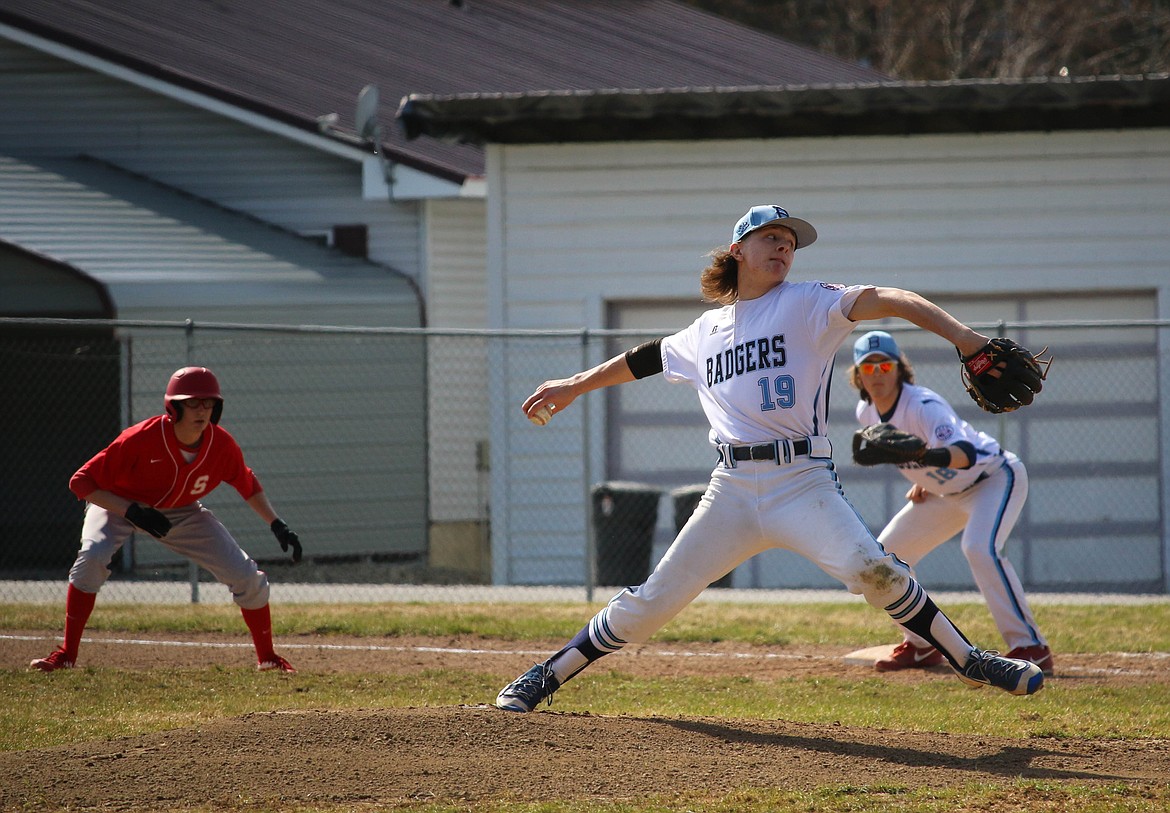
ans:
(985, 514)
(746, 510)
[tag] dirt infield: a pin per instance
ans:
(470, 754)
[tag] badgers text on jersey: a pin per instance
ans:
(747, 357)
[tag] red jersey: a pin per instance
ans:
(145, 464)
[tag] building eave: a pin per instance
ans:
(886, 108)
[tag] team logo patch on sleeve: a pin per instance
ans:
(832, 286)
(944, 433)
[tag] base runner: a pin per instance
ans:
(151, 478)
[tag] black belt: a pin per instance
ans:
(783, 451)
(985, 473)
(767, 451)
(982, 476)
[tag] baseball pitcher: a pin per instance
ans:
(761, 364)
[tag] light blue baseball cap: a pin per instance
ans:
(758, 216)
(876, 343)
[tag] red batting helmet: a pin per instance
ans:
(192, 382)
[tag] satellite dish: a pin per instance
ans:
(367, 113)
(370, 131)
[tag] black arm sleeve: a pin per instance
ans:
(968, 449)
(941, 458)
(645, 359)
(938, 458)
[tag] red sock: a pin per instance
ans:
(260, 625)
(78, 606)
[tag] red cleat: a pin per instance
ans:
(57, 660)
(1039, 655)
(275, 663)
(908, 656)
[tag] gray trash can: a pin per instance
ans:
(686, 500)
(624, 516)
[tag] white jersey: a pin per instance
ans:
(925, 413)
(762, 367)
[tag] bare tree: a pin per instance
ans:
(952, 39)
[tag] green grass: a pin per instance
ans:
(91, 703)
(1071, 628)
(99, 704)
(150, 701)
(1006, 797)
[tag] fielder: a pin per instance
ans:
(961, 481)
(762, 364)
(151, 478)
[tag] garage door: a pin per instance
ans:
(1091, 443)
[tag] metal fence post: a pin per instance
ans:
(587, 476)
(192, 568)
(125, 418)
(1000, 327)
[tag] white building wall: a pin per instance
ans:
(573, 226)
(1020, 210)
(458, 375)
(454, 243)
(54, 108)
(457, 370)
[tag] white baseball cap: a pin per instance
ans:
(758, 216)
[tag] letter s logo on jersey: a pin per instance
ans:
(200, 485)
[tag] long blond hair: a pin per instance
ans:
(719, 281)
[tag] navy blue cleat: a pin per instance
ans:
(1011, 675)
(525, 692)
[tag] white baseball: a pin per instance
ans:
(541, 416)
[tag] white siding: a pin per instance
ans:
(1008, 217)
(331, 424)
(1021, 211)
(457, 368)
(456, 283)
(52, 108)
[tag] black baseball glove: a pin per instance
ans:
(883, 443)
(1004, 376)
(286, 538)
(149, 520)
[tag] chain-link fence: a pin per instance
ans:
(401, 456)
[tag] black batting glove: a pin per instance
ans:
(286, 538)
(149, 520)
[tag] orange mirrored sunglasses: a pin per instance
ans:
(871, 367)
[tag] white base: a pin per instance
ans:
(869, 656)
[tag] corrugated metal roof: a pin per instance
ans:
(882, 108)
(125, 232)
(296, 60)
